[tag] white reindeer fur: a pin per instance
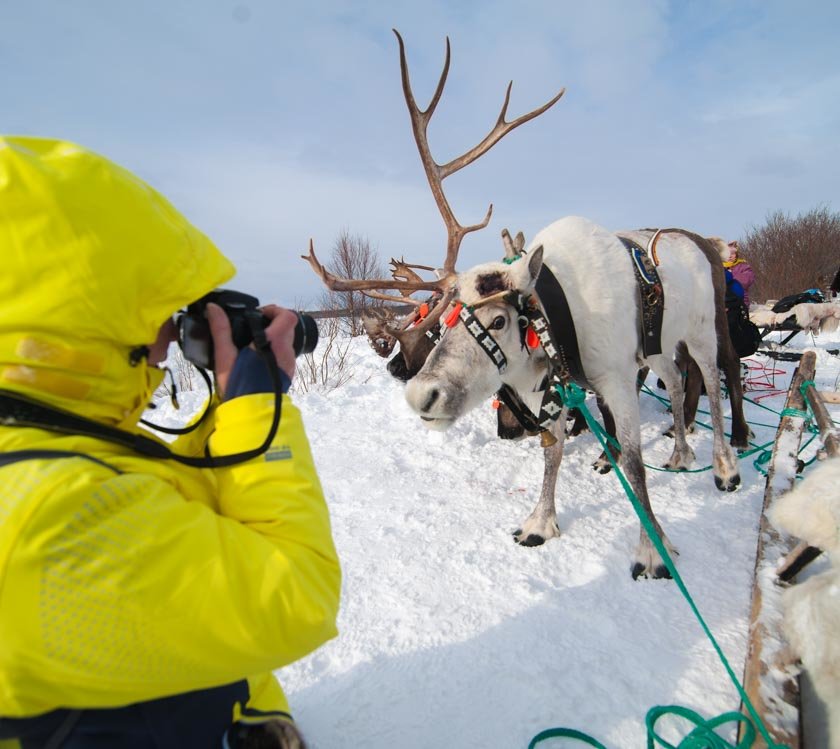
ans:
(596, 274)
(723, 249)
(811, 512)
(820, 316)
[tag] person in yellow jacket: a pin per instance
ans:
(143, 602)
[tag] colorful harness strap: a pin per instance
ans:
(482, 335)
(651, 296)
(651, 248)
(557, 327)
(557, 338)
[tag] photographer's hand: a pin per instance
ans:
(224, 352)
(280, 335)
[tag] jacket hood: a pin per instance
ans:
(93, 262)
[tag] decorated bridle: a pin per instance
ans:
(534, 332)
(465, 313)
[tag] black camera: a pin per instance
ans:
(242, 310)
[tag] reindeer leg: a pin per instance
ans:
(579, 425)
(724, 464)
(692, 384)
(603, 465)
(683, 455)
(541, 524)
(647, 562)
(731, 364)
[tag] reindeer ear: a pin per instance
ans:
(535, 261)
(510, 249)
(519, 243)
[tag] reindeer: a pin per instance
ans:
(596, 274)
(383, 326)
(599, 283)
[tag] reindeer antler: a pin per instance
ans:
(405, 280)
(435, 172)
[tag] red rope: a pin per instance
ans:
(763, 379)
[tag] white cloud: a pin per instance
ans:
(269, 122)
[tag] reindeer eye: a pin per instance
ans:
(498, 323)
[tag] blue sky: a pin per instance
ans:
(268, 123)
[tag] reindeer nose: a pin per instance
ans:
(397, 367)
(434, 394)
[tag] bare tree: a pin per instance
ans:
(328, 366)
(790, 255)
(352, 257)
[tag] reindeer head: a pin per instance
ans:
(484, 345)
(385, 329)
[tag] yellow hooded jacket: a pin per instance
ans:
(118, 588)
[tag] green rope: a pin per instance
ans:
(567, 733)
(808, 415)
(802, 388)
(761, 405)
(805, 385)
(667, 402)
(703, 736)
(741, 456)
(574, 397)
(764, 454)
(761, 461)
(797, 412)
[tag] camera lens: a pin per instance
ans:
(306, 334)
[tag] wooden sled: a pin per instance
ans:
(771, 677)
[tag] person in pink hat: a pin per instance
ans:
(741, 270)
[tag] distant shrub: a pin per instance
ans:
(791, 254)
(327, 367)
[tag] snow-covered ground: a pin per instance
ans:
(451, 635)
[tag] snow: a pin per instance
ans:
(453, 635)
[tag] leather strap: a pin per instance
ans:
(651, 297)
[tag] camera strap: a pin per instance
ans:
(19, 410)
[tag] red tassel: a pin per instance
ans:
(452, 318)
(532, 340)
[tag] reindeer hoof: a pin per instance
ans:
(576, 431)
(728, 486)
(602, 465)
(638, 570)
(660, 572)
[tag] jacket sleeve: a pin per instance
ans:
(277, 497)
(744, 274)
(143, 593)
